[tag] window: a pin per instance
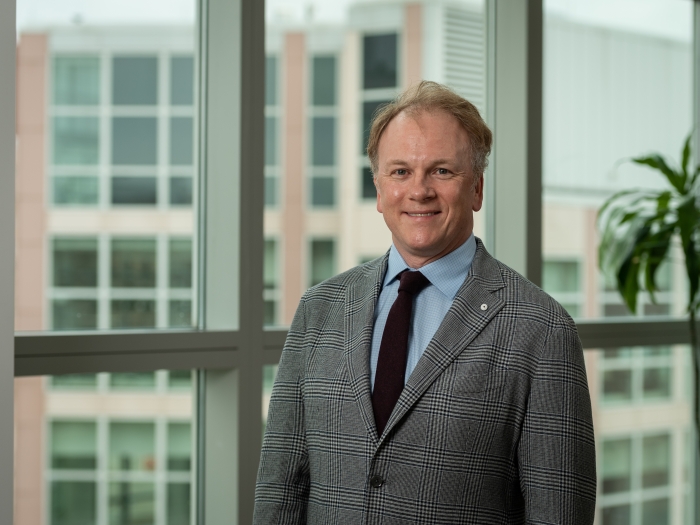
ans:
(637, 374)
(134, 141)
(629, 491)
(271, 132)
(322, 260)
(75, 190)
(182, 81)
(562, 279)
(181, 191)
(271, 282)
(75, 262)
(324, 81)
(76, 80)
(75, 140)
(133, 263)
(380, 61)
(135, 80)
(134, 190)
(181, 141)
(180, 263)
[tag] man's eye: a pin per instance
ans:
(401, 171)
(443, 171)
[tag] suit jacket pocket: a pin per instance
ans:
(471, 379)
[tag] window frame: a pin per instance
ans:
(230, 346)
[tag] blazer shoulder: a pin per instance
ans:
(516, 289)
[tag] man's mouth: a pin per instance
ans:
(428, 214)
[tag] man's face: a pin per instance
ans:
(425, 187)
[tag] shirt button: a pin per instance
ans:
(376, 481)
(484, 306)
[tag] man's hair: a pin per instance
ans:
(428, 96)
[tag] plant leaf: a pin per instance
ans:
(685, 158)
(658, 163)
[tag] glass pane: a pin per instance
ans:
(180, 263)
(597, 63)
(326, 76)
(75, 140)
(324, 80)
(134, 262)
(75, 190)
(76, 80)
(75, 262)
(323, 191)
(179, 446)
(178, 503)
(270, 272)
(135, 80)
(134, 190)
(181, 191)
(182, 81)
(105, 126)
(131, 503)
(323, 145)
(642, 442)
(134, 141)
(617, 385)
(380, 61)
(73, 503)
(104, 448)
(656, 460)
(74, 445)
(322, 260)
(128, 380)
(181, 141)
(74, 314)
(270, 141)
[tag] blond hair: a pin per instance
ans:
(430, 96)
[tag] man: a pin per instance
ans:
(459, 399)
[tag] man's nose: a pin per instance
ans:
(422, 187)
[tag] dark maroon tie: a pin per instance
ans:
(391, 365)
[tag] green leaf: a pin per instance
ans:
(685, 156)
(658, 163)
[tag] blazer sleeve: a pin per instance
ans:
(556, 452)
(282, 488)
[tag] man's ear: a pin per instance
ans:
(379, 195)
(478, 194)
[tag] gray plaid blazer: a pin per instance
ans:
(494, 424)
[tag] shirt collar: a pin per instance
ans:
(447, 273)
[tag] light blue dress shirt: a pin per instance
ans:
(446, 275)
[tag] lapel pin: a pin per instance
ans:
(484, 306)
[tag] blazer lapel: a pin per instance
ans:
(465, 319)
(360, 300)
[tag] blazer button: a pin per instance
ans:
(376, 481)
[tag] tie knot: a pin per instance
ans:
(413, 282)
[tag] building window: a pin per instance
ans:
(134, 263)
(324, 81)
(134, 190)
(562, 279)
(380, 61)
(76, 80)
(181, 191)
(181, 141)
(271, 281)
(75, 262)
(75, 140)
(180, 263)
(272, 142)
(135, 81)
(637, 374)
(322, 260)
(75, 190)
(182, 81)
(624, 486)
(134, 141)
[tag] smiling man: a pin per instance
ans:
(434, 385)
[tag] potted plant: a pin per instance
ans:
(638, 228)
